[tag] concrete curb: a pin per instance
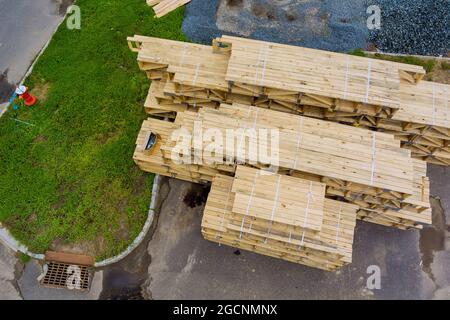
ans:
(9, 241)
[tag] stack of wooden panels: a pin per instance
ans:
(280, 216)
(371, 160)
(358, 166)
(197, 71)
(155, 161)
(163, 7)
(413, 212)
(376, 94)
(258, 64)
(421, 123)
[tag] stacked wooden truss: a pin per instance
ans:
(163, 7)
(381, 95)
(362, 167)
(280, 216)
(240, 83)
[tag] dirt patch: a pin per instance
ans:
(235, 4)
(123, 233)
(60, 203)
(440, 74)
(90, 248)
(139, 183)
(104, 138)
(317, 20)
(196, 196)
(39, 138)
(291, 15)
(32, 217)
(6, 88)
(258, 10)
(40, 91)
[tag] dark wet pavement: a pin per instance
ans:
(124, 280)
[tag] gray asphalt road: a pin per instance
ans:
(184, 266)
(8, 270)
(26, 27)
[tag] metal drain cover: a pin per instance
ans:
(68, 271)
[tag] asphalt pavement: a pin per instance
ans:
(184, 266)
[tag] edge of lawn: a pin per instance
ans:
(70, 181)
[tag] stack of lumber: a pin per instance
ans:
(421, 123)
(163, 7)
(280, 216)
(374, 94)
(413, 210)
(155, 161)
(359, 166)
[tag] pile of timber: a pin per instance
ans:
(354, 134)
(280, 216)
(374, 94)
(163, 7)
(365, 168)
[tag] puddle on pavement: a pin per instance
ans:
(6, 88)
(122, 285)
(197, 195)
(432, 238)
(125, 279)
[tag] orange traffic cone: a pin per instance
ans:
(23, 93)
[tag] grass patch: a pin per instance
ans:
(445, 66)
(427, 64)
(24, 258)
(71, 176)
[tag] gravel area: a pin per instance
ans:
(408, 26)
(325, 24)
(413, 27)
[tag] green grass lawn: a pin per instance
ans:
(71, 178)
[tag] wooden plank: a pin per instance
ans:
(69, 258)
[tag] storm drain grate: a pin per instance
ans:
(64, 275)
